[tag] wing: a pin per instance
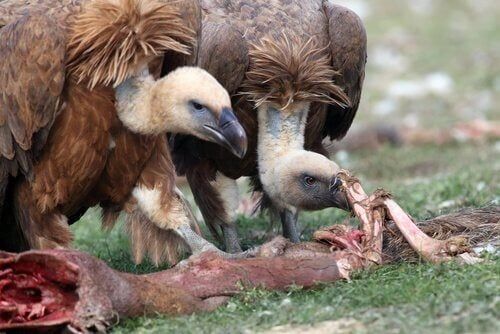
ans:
(32, 51)
(224, 54)
(12, 10)
(348, 48)
(190, 12)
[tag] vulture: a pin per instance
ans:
(295, 71)
(84, 117)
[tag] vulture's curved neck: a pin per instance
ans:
(134, 105)
(281, 132)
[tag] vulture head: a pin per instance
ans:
(286, 77)
(188, 100)
(307, 181)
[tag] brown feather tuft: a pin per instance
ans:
(287, 70)
(158, 244)
(111, 39)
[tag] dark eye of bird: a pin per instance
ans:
(309, 180)
(197, 106)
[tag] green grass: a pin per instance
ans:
(456, 37)
(397, 298)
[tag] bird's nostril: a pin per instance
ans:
(335, 183)
(226, 118)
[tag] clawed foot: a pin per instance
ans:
(240, 255)
(275, 247)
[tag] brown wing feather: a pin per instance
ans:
(31, 83)
(190, 12)
(225, 58)
(348, 49)
(12, 10)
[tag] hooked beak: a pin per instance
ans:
(337, 196)
(229, 133)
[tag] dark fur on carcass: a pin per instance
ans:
(479, 226)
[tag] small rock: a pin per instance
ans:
(447, 204)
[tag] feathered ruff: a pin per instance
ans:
(148, 239)
(287, 70)
(111, 39)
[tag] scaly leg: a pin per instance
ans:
(231, 240)
(230, 198)
(289, 224)
(174, 219)
(158, 200)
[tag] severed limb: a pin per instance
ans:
(479, 226)
(365, 242)
(57, 288)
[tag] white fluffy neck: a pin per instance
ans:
(137, 106)
(280, 134)
(133, 103)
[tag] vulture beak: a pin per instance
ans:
(337, 196)
(229, 133)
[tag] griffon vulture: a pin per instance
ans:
(295, 71)
(83, 122)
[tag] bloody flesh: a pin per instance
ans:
(36, 292)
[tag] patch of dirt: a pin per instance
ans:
(341, 326)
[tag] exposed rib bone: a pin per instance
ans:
(430, 249)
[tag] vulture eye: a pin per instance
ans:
(197, 106)
(309, 181)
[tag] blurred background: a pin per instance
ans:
(431, 63)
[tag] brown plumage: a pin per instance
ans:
(118, 50)
(64, 146)
(279, 53)
(289, 70)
